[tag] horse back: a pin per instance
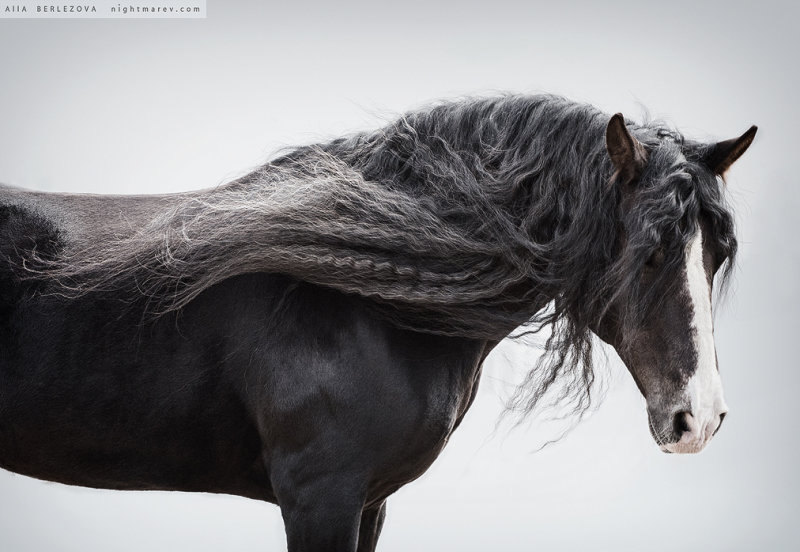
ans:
(83, 219)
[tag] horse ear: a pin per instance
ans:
(627, 153)
(722, 154)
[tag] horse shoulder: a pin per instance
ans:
(357, 393)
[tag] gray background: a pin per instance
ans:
(153, 106)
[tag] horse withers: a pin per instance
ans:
(312, 333)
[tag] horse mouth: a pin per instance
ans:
(681, 447)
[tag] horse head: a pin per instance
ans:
(675, 236)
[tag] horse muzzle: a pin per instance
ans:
(684, 432)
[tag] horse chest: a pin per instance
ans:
(445, 405)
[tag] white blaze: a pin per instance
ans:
(704, 389)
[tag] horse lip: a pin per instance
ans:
(692, 447)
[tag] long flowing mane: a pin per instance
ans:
(465, 219)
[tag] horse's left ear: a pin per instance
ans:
(627, 153)
(722, 154)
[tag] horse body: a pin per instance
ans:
(322, 363)
(259, 386)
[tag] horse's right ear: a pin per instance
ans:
(627, 153)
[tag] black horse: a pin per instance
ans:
(312, 333)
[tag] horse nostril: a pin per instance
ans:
(719, 425)
(680, 424)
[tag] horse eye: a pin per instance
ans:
(656, 259)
